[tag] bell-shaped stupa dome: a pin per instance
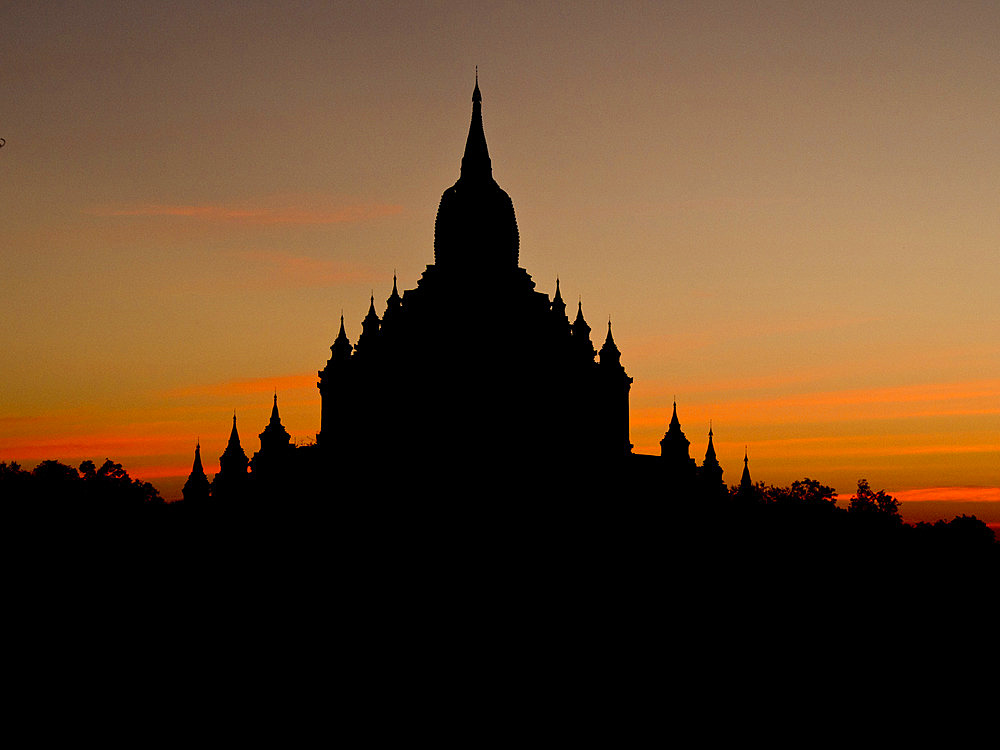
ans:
(475, 226)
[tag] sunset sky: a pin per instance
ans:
(790, 211)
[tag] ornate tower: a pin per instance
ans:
(272, 463)
(560, 321)
(368, 341)
(746, 484)
(197, 487)
(582, 345)
(616, 385)
(711, 471)
(675, 451)
(334, 388)
(393, 306)
(231, 480)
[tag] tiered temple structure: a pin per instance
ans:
(472, 376)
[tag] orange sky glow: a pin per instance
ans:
(787, 210)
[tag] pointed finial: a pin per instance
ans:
(557, 297)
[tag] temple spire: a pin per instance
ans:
(610, 355)
(609, 340)
(341, 346)
(369, 330)
(232, 468)
(274, 438)
(475, 226)
(197, 487)
(234, 436)
(711, 470)
(746, 484)
(275, 419)
(674, 421)
(581, 335)
(197, 467)
(476, 163)
(393, 305)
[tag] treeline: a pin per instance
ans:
(873, 514)
(800, 524)
(55, 486)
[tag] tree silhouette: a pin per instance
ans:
(867, 501)
(801, 492)
(53, 485)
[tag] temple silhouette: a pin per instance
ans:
(471, 382)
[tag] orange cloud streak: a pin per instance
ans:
(246, 386)
(949, 495)
(971, 398)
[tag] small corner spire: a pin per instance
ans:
(610, 340)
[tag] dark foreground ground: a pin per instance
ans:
(513, 613)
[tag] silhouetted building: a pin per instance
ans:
(473, 367)
(473, 378)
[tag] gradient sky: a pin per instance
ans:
(789, 211)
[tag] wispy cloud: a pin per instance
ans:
(262, 212)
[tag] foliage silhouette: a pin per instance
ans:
(868, 501)
(54, 486)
